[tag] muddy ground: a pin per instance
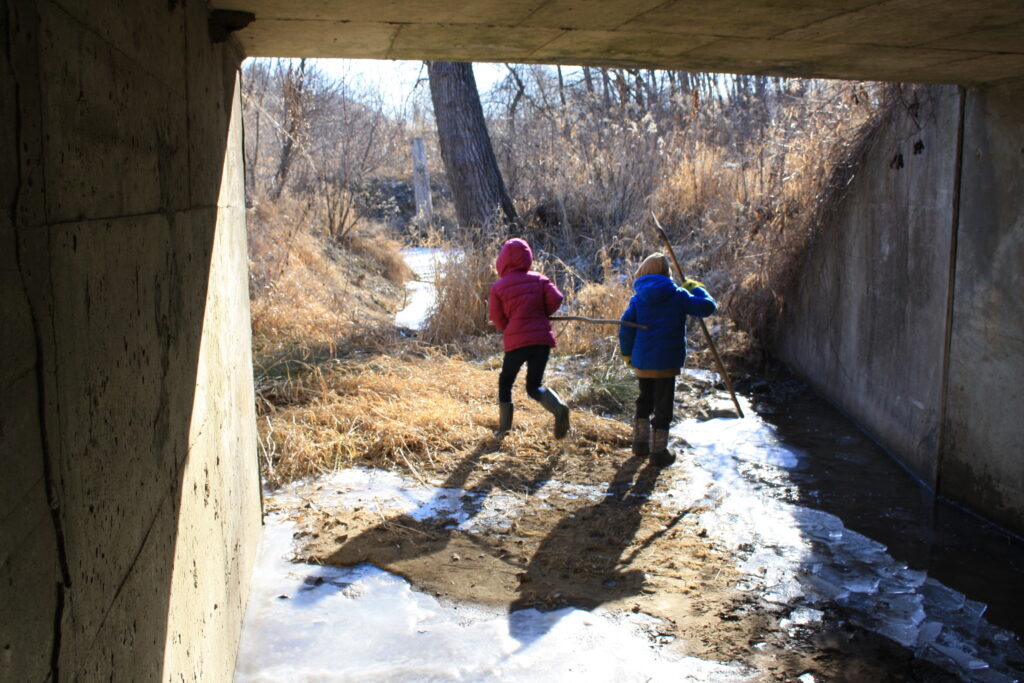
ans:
(623, 552)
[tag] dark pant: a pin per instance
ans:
(657, 395)
(536, 359)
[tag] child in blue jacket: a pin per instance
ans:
(657, 353)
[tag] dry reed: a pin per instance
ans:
(421, 414)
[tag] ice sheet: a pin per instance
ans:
(421, 293)
(794, 555)
(312, 623)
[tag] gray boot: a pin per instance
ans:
(641, 436)
(661, 456)
(505, 411)
(554, 405)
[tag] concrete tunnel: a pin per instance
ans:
(131, 502)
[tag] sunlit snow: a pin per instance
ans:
(312, 623)
(421, 294)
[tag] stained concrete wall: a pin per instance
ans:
(983, 445)
(869, 323)
(130, 501)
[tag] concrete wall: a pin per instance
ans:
(868, 325)
(983, 445)
(130, 493)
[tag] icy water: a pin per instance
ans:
(844, 473)
(933, 577)
(421, 294)
(823, 522)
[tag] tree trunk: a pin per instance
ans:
(476, 183)
(293, 92)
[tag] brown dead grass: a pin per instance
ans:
(463, 285)
(420, 413)
(309, 293)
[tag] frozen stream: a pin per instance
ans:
(308, 622)
(421, 294)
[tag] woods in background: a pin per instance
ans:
(738, 168)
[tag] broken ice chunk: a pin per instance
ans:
(861, 583)
(964, 660)
(861, 545)
(819, 525)
(784, 593)
(973, 610)
(903, 607)
(806, 615)
(902, 632)
(940, 598)
(928, 632)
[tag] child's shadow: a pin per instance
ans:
(410, 535)
(579, 564)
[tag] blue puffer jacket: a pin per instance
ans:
(662, 307)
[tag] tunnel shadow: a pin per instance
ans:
(580, 562)
(406, 536)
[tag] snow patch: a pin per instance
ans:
(422, 295)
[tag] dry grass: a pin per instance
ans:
(309, 294)
(462, 286)
(739, 201)
(422, 413)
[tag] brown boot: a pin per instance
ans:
(661, 456)
(641, 436)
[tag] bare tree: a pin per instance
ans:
(477, 187)
(295, 94)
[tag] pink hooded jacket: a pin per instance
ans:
(521, 300)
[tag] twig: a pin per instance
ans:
(598, 321)
(412, 469)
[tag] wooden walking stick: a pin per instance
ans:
(703, 326)
(598, 320)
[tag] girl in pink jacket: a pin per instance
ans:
(520, 303)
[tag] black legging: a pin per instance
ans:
(657, 395)
(536, 359)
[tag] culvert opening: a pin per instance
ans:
(772, 539)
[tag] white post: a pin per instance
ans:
(421, 184)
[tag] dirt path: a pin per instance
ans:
(585, 532)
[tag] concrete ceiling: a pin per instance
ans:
(942, 41)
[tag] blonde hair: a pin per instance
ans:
(655, 264)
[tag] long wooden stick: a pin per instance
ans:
(704, 327)
(598, 320)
